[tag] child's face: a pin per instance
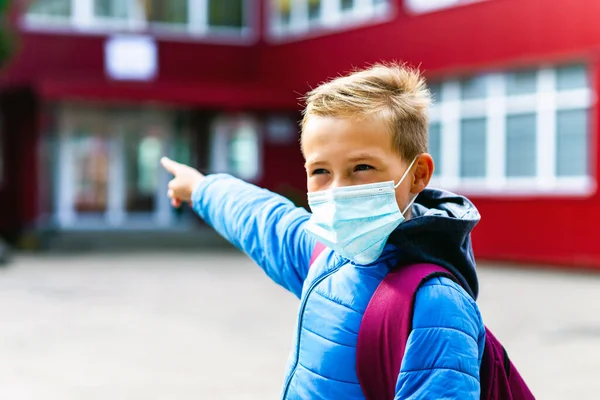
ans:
(345, 152)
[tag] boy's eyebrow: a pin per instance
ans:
(363, 157)
(355, 158)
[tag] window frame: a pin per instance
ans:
(83, 20)
(332, 18)
(429, 6)
(496, 106)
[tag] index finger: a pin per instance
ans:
(170, 165)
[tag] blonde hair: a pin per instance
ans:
(394, 92)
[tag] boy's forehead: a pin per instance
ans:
(327, 128)
(351, 136)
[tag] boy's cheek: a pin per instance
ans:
(311, 186)
(317, 182)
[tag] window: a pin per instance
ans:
(91, 155)
(226, 13)
(303, 17)
(472, 148)
(243, 151)
(347, 4)
(191, 16)
(521, 138)
(423, 6)
(435, 89)
(523, 131)
(167, 12)
(111, 9)
(51, 8)
(571, 77)
(143, 146)
(435, 147)
(236, 147)
(106, 166)
(571, 143)
(314, 10)
(521, 82)
(473, 88)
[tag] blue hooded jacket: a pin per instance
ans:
(444, 350)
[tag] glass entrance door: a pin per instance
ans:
(108, 169)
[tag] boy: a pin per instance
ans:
(364, 139)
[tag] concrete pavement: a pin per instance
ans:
(212, 326)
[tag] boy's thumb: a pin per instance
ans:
(170, 165)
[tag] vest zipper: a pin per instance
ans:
(299, 331)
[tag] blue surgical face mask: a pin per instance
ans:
(355, 221)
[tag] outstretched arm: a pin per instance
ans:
(266, 226)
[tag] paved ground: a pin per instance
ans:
(212, 326)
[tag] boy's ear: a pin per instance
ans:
(423, 171)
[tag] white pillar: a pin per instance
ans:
(546, 128)
(64, 195)
(163, 213)
(82, 15)
(330, 12)
(115, 213)
(299, 16)
(219, 146)
(496, 132)
(450, 133)
(198, 22)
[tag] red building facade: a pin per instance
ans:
(513, 126)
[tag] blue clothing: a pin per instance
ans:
(445, 347)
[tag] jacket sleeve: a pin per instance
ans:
(266, 226)
(445, 347)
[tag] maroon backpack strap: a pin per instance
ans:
(319, 247)
(385, 327)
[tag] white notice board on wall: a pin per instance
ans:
(131, 57)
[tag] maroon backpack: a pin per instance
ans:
(389, 316)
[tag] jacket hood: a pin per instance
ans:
(439, 232)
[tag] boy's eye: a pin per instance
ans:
(362, 167)
(319, 171)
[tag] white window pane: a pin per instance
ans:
(521, 145)
(473, 137)
(521, 82)
(421, 6)
(572, 143)
(435, 147)
(473, 88)
(571, 77)
(54, 8)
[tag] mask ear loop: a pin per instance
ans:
(410, 203)
(406, 172)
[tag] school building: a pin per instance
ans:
(98, 90)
